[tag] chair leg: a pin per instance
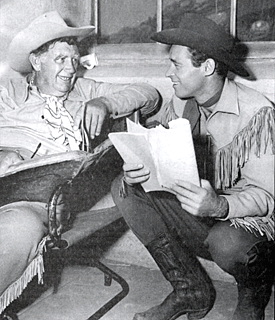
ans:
(108, 276)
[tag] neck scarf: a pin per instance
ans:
(60, 122)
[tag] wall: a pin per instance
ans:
(149, 62)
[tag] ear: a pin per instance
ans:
(35, 61)
(209, 67)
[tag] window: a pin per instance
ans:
(255, 20)
(133, 21)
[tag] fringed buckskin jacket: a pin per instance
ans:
(242, 132)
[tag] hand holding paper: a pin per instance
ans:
(167, 153)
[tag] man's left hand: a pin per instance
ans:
(95, 114)
(200, 201)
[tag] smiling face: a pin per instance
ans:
(56, 69)
(188, 81)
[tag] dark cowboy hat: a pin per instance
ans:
(203, 34)
(47, 27)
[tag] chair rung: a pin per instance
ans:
(117, 298)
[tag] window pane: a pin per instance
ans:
(134, 21)
(255, 20)
(126, 21)
(217, 10)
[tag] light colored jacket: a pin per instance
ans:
(242, 130)
(21, 109)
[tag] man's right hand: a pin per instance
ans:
(135, 173)
(8, 159)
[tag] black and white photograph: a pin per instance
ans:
(137, 143)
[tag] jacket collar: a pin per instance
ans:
(228, 102)
(20, 89)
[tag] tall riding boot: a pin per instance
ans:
(193, 294)
(255, 282)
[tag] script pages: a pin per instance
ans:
(168, 153)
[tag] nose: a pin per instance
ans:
(170, 71)
(71, 65)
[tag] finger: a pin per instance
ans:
(136, 180)
(99, 125)
(188, 185)
(137, 173)
(205, 184)
(77, 120)
(132, 166)
(93, 126)
(186, 193)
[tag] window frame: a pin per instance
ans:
(260, 52)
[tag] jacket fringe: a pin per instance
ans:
(35, 268)
(231, 158)
(261, 225)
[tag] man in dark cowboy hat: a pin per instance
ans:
(229, 218)
(47, 108)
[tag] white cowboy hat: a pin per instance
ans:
(46, 27)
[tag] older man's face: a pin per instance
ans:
(58, 68)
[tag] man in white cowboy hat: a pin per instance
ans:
(229, 218)
(47, 108)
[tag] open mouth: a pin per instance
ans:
(66, 79)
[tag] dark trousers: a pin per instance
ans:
(154, 213)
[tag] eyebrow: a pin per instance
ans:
(61, 55)
(175, 61)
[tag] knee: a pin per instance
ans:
(228, 246)
(21, 228)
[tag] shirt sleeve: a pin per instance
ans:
(253, 195)
(123, 99)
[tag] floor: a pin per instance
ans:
(81, 292)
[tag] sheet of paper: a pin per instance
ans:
(134, 148)
(168, 153)
(173, 152)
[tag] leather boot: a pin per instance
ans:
(193, 294)
(255, 282)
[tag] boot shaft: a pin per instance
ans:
(179, 266)
(255, 280)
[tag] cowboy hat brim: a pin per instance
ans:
(35, 35)
(204, 35)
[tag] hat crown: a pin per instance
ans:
(208, 29)
(49, 17)
(47, 27)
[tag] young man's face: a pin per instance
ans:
(58, 68)
(188, 81)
